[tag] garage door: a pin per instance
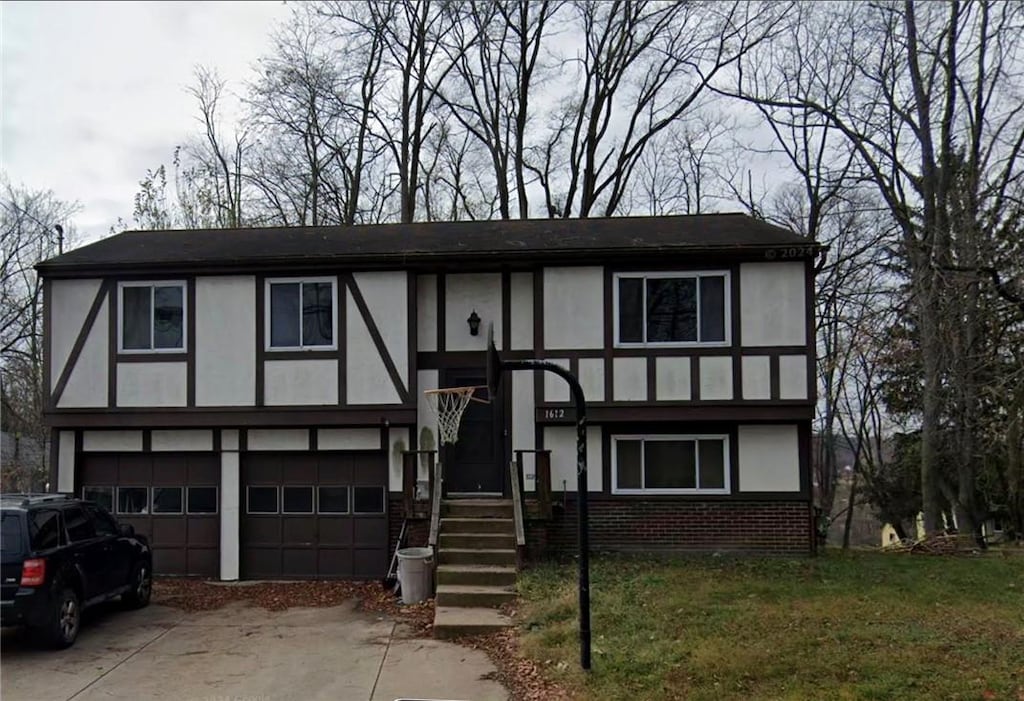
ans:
(314, 515)
(171, 498)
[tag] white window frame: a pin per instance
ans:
(152, 500)
(152, 311)
(348, 500)
(248, 505)
(216, 500)
(724, 437)
(117, 500)
(673, 274)
(292, 280)
(352, 500)
(312, 503)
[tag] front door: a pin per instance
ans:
(475, 464)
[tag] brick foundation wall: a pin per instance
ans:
(638, 525)
(417, 530)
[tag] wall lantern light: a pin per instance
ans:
(474, 323)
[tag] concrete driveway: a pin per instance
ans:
(241, 652)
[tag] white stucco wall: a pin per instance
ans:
(756, 371)
(555, 388)
(793, 377)
(277, 439)
(561, 441)
(398, 441)
(111, 441)
(367, 380)
(426, 312)
(229, 510)
(87, 384)
(348, 439)
(673, 379)
(183, 440)
(769, 458)
(70, 301)
(629, 379)
(715, 377)
(772, 308)
(463, 294)
(591, 377)
(524, 435)
(521, 286)
(152, 384)
(226, 340)
(66, 462)
(425, 418)
(574, 308)
(300, 382)
(387, 297)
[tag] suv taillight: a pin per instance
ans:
(33, 573)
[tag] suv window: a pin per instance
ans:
(105, 525)
(44, 529)
(78, 525)
(10, 534)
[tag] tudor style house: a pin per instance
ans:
(253, 399)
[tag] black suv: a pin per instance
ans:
(61, 555)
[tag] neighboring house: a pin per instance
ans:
(247, 397)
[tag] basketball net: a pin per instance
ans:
(449, 404)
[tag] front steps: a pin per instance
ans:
(476, 570)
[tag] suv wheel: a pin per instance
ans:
(66, 618)
(141, 587)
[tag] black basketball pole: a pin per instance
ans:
(581, 489)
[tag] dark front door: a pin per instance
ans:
(475, 463)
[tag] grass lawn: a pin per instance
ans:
(853, 626)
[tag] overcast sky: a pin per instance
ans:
(93, 93)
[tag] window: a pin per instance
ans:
(262, 500)
(167, 500)
(132, 500)
(44, 530)
(78, 524)
(301, 313)
(367, 500)
(296, 500)
(104, 496)
(670, 465)
(10, 534)
(672, 308)
(202, 500)
(332, 500)
(152, 316)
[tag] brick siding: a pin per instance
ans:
(758, 527)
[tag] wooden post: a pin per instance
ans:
(409, 460)
(542, 481)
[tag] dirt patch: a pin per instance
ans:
(200, 595)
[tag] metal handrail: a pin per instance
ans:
(517, 503)
(435, 505)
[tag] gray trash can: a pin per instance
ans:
(416, 574)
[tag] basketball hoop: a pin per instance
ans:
(449, 403)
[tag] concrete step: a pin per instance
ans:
(478, 525)
(475, 556)
(476, 575)
(454, 622)
(468, 596)
(477, 508)
(482, 541)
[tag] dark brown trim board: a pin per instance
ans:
(378, 340)
(47, 344)
(412, 331)
(203, 417)
(190, 339)
(441, 287)
(773, 375)
(811, 339)
(150, 357)
(83, 336)
(506, 310)
(609, 333)
(707, 411)
(342, 351)
(113, 345)
(260, 306)
(147, 440)
(54, 454)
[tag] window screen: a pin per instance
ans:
(628, 463)
(262, 500)
(712, 464)
(135, 317)
(368, 500)
(670, 465)
(297, 500)
(167, 500)
(317, 314)
(631, 310)
(168, 317)
(132, 500)
(284, 315)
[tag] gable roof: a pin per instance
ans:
(391, 244)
